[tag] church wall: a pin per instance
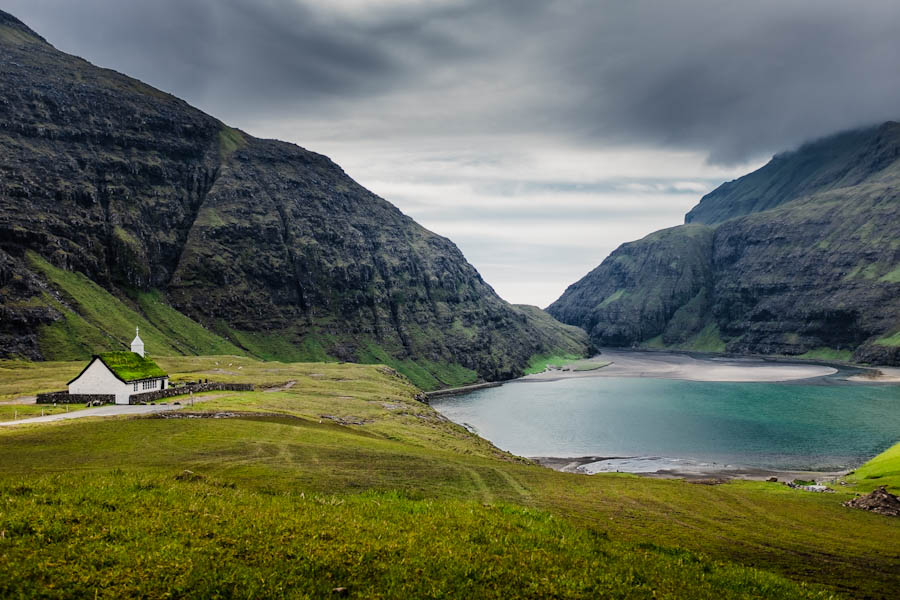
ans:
(98, 379)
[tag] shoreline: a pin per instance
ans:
(699, 367)
(719, 473)
(878, 375)
(687, 367)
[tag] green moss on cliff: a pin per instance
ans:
(101, 310)
(177, 326)
(16, 36)
(891, 276)
(654, 343)
(426, 374)
(708, 340)
(612, 298)
(828, 354)
(101, 321)
(891, 340)
(71, 337)
(274, 345)
(230, 139)
(538, 364)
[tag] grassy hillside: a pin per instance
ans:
(97, 321)
(349, 482)
(884, 469)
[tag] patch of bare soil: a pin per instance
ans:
(21, 400)
(879, 501)
(280, 388)
(346, 420)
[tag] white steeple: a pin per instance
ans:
(137, 344)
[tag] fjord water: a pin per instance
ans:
(802, 426)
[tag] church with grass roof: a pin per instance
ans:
(123, 374)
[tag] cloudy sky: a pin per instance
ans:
(537, 135)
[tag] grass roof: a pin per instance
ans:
(130, 366)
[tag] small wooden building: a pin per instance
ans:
(122, 374)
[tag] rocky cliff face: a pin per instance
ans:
(634, 294)
(265, 244)
(799, 258)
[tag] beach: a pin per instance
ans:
(687, 470)
(878, 375)
(670, 365)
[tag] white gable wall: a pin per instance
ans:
(98, 379)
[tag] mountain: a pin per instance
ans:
(121, 205)
(801, 258)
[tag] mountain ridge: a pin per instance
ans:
(802, 259)
(270, 248)
(845, 159)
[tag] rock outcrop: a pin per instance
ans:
(799, 257)
(878, 501)
(262, 242)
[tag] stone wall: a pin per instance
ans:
(186, 389)
(65, 397)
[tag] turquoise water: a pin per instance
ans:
(764, 425)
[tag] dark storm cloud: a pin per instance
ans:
(737, 79)
(730, 79)
(239, 55)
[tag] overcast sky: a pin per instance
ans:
(537, 135)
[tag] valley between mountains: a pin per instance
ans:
(800, 258)
(320, 313)
(121, 205)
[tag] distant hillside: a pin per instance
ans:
(840, 161)
(123, 205)
(801, 257)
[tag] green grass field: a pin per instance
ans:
(884, 469)
(12, 412)
(345, 480)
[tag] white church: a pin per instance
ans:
(123, 374)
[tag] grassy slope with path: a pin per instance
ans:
(406, 504)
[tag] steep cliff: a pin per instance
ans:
(801, 257)
(120, 203)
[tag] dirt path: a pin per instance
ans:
(109, 410)
(281, 388)
(21, 400)
(186, 400)
(116, 410)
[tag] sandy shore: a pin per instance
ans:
(588, 465)
(879, 375)
(670, 365)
